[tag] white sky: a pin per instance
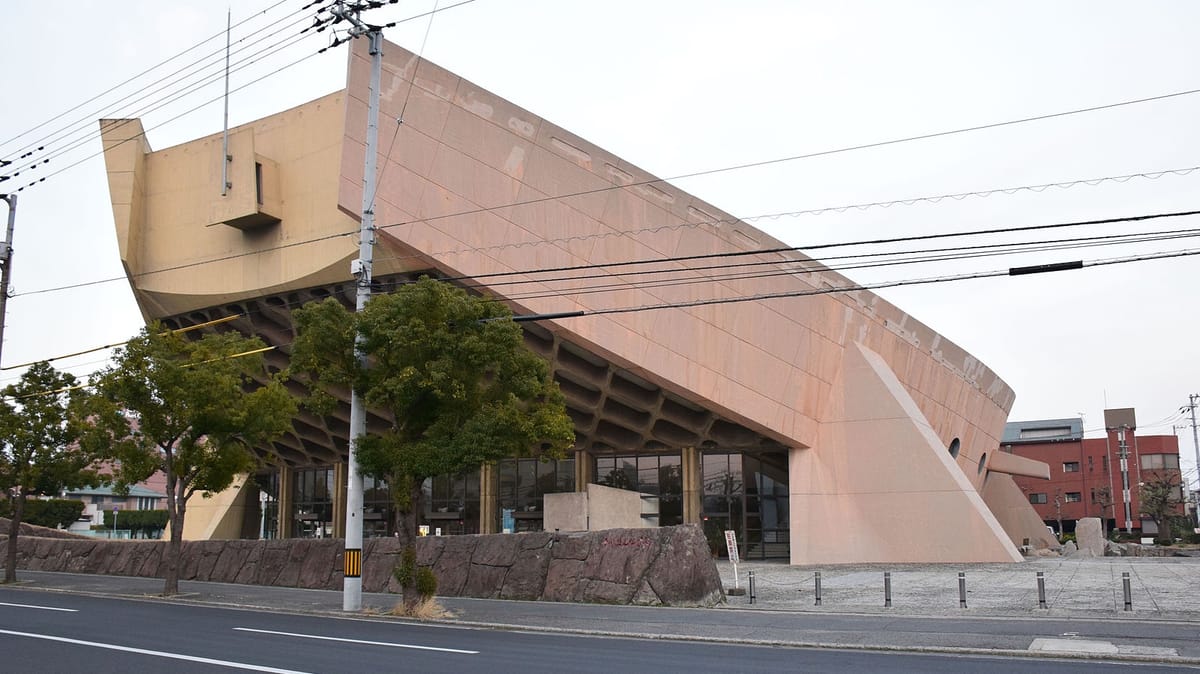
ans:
(682, 86)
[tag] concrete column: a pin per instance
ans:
(584, 469)
(693, 488)
(489, 499)
(339, 500)
(286, 480)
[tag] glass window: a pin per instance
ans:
(1070, 466)
(1074, 497)
(1037, 498)
(313, 503)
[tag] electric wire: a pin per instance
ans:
(819, 291)
(387, 157)
(130, 80)
(300, 36)
(809, 155)
(189, 89)
(328, 237)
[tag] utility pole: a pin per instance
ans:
(350, 12)
(6, 261)
(1191, 406)
(1123, 452)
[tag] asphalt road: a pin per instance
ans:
(46, 632)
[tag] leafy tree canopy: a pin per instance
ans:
(451, 369)
(38, 449)
(187, 407)
(192, 408)
(38, 455)
(1160, 498)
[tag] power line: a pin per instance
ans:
(176, 96)
(131, 79)
(292, 41)
(809, 155)
(1082, 264)
(233, 256)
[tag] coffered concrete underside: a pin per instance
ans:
(614, 410)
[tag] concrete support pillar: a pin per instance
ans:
(693, 487)
(339, 499)
(287, 478)
(489, 499)
(584, 469)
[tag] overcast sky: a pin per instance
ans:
(683, 86)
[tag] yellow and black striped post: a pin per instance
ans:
(353, 563)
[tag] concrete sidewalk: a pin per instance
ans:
(1163, 588)
(1085, 619)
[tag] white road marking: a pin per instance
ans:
(160, 654)
(1098, 647)
(358, 641)
(1072, 646)
(44, 608)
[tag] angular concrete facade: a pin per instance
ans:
(890, 429)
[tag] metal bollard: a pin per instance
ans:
(887, 589)
(962, 590)
(817, 579)
(751, 576)
(1041, 589)
(1128, 594)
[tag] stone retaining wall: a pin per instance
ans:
(666, 566)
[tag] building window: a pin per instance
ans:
(1045, 433)
(1037, 498)
(312, 503)
(660, 476)
(523, 484)
(258, 183)
(1160, 461)
(954, 447)
(1070, 466)
(1074, 497)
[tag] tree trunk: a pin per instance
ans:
(406, 533)
(14, 530)
(176, 507)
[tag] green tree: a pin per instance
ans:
(49, 513)
(1160, 497)
(452, 371)
(193, 409)
(39, 453)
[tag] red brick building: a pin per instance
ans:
(1086, 478)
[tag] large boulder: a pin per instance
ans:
(1089, 537)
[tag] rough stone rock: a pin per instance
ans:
(496, 550)
(274, 559)
(684, 570)
(230, 561)
(322, 566)
(1069, 549)
(670, 566)
(1089, 537)
(453, 565)
(573, 545)
(527, 575)
(484, 581)
(380, 556)
(1114, 549)
(563, 580)
(249, 569)
(429, 549)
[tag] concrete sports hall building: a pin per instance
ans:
(821, 423)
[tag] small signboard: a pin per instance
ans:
(507, 521)
(731, 544)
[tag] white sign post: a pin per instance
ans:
(731, 545)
